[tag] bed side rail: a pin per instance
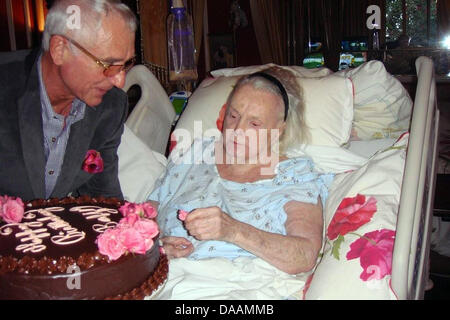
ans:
(411, 248)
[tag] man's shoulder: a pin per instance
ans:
(15, 67)
(13, 56)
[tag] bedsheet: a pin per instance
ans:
(222, 279)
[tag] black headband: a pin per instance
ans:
(276, 82)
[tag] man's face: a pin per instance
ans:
(82, 77)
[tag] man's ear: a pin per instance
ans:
(57, 49)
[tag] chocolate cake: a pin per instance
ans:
(52, 254)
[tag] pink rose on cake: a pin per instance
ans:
(11, 209)
(144, 210)
(130, 219)
(133, 241)
(134, 233)
(147, 228)
(149, 211)
(110, 244)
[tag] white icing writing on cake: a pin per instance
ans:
(68, 235)
(32, 232)
(32, 236)
(100, 228)
(101, 214)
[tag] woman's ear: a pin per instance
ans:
(57, 49)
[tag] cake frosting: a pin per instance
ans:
(52, 253)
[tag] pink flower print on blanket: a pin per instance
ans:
(351, 214)
(375, 252)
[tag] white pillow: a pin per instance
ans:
(382, 105)
(367, 148)
(298, 70)
(139, 167)
(350, 265)
(328, 107)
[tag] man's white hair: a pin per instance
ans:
(92, 13)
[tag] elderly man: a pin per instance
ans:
(61, 112)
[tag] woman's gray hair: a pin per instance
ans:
(91, 12)
(295, 131)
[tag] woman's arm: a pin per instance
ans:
(294, 253)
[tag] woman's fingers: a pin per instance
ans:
(177, 247)
(208, 224)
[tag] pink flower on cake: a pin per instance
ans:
(110, 244)
(375, 252)
(134, 233)
(11, 209)
(182, 215)
(351, 214)
(149, 211)
(93, 162)
(129, 208)
(147, 228)
(144, 210)
(133, 240)
(130, 219)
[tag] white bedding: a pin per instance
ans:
(221, 279)
(139, 167)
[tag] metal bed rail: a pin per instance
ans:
(410, 259)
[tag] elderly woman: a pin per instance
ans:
(251, 201)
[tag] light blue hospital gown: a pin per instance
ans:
(188, 185)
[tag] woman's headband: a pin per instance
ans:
(276, 82)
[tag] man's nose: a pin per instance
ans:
(118, 80)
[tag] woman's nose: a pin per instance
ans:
(240, 125)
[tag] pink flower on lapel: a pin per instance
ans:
(93, 162)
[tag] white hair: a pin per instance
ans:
(296, 131)
(92, 13)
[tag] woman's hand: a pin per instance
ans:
(210, 224)
(177, 247)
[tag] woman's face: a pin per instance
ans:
(253, 122)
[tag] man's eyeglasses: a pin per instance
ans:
(109, 70)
